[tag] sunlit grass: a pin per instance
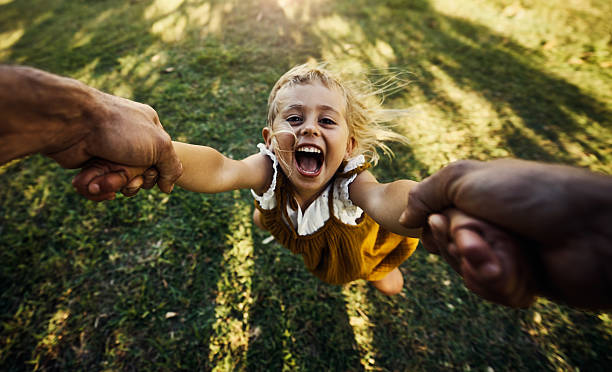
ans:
(230, 342)
(357, 309)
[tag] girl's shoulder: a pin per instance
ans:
(344, 208)
(268, 164)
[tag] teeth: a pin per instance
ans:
(309, 149)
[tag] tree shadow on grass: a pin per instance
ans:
(477, 59)
(90, 286)
(297, 321)
(446, 327)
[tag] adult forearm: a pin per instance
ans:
(580, 271)
(41, 112)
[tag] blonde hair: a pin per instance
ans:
(365, 115)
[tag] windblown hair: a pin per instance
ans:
(366, 118)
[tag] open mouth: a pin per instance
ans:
(309, 160)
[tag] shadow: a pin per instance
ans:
(94, 286)
(446, 327)
(478, 59)
(297, 321)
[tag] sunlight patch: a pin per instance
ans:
(459, 123)
(200, 15)
(298, 9)
(229, 341)
(81, 38)
(348, 44)
(337, 27)
(162, 7)
(123, 90)
(356, 310)
(381, 54)
(7, 39)
(55, 330)
(171, 28)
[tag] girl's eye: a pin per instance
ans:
(327, 121)
(294, 119)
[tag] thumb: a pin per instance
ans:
(416, 213)
(170, 169)
(435, 193)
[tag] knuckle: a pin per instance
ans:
(154, 115)
(460, 167)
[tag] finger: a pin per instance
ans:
(428, 241)
(110, 182)
(81, 181)
(435, 193)
(470, 235)
(438, 239)
(149, 178)
(492, 265)
(438, 225)
(459, 220)
(449, 255)
(132, 187)
(490, 291)
(169, 167)
(478, 254)
(500, 291)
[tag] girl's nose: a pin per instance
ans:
(310, 129)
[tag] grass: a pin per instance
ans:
(184, 282)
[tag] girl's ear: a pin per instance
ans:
(267, 136)
(350, 146)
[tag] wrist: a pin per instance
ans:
(43, 113)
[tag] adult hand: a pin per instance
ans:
(491, 262)
(73, 123)
(128, 133)
(100, 180)
(561, 215)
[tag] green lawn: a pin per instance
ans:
(184, 282)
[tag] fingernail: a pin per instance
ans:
(93, 188)
(402, 218)
(435, 222)
(490, 270)
(436, 225)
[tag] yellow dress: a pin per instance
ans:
(337, 252)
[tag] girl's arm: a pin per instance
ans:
(206, 170)
(384, 202)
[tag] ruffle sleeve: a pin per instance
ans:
(344, 209)
(267, 199)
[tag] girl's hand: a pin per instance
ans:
(491, 261)
(100, 179)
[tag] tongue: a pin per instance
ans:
(307, 163)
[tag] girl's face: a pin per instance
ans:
(316, 114)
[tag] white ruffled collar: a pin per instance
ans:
(317, 213)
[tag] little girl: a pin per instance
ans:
(310, 181)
